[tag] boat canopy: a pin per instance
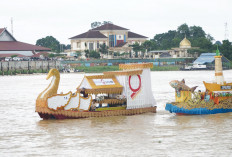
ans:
(98, 84)
(135, 66)
(127, 72)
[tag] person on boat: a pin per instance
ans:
(93, 105)
(85, 95)
(207, 96)
(201, 94)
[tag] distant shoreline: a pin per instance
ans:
(83, 69)
(100, 69)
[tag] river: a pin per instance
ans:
(24, 133)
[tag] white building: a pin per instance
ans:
(115, 37)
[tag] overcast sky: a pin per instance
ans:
(62, 19)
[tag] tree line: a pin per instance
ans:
(199, 39)
(53, 44)
(195, 34)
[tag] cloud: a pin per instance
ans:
(66, 18)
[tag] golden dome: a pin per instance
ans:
(185, 43)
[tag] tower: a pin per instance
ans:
(226, 32)
(11, 25)
(219, 79)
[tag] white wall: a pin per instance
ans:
(5, 37)
(26, 53)
(82, 44)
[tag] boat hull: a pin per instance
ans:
(195, 111)
(62, 114)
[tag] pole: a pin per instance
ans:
(8, 67)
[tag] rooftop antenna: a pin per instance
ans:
(226, 32)
(12, 25)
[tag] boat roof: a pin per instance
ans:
(126, 72)
(136, 66)
(97, 84)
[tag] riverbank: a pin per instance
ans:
(94, 69)
(17, 72)
(100, 69)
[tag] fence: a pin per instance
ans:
(158, 61)
(12, 66)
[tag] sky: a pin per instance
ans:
(62, 19)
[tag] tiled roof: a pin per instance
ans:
(40, 53)
(1, 30)
(11, 54)
(20, 46)
(109, 26)
(121, 44)
(134, 35)
(90, 34)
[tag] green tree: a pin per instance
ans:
(13, 56)
(226, 49)
(51, 55)
(147, 45)
(196, 32)
(136, 48)
(67, 47)
(103, 48)
(87, 53)
(49, 42)
(164, 40)
(202, 43)
(94, 54)
(183, 30)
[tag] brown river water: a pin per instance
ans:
(24, 133)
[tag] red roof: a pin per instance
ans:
(20, 46)
(1, 30)
(135, 35)
(40, 53)
(11, 54)
(109, 26)
(90, 34)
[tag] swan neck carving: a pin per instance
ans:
(53, 86)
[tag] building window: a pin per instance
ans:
(111, 40)
(98, 45)
(78, 45)
(90, 46)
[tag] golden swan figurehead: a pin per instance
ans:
(53, 86)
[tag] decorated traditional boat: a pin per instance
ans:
(116, 93)
(217, 97)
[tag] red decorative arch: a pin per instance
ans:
(135, 91)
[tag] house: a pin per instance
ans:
(115, 37)
(10, 46)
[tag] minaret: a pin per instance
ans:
(219, 79)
